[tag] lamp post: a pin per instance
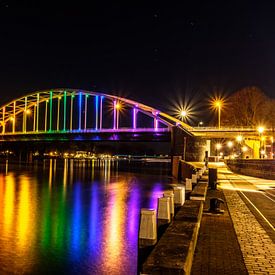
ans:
(260, 131)
(218, 105)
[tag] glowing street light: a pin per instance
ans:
(261, 129)
(239, 138)
(218, 146)
(230, 144)
(217, 103)
(183, 114)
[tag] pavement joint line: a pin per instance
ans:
(261, 214)
(268, 197)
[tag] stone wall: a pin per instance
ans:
(262, 168)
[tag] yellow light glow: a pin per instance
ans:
(218, 146)
(239, 138)
(260, 129)
(217, 102)
(28, 111)
(230, 144)
(244, 149)
(183, 113)
(11, 118)
(118, 106)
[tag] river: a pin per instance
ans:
(75, 217)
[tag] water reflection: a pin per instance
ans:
(72, 217)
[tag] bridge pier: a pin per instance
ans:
(185, 147)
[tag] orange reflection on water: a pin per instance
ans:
(115, 228)
(26, 217)
(1, 200)
(8, 206)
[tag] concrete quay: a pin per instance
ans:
(232, 242)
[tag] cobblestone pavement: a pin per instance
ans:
(217, 250)
(257, 247)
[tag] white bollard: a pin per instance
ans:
(179, 195)
(170, 194)
(148, 226)
(164, 209)
(188, 184)
(194, 178)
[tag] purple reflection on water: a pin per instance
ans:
(76, 220)
(155, 194)
(94, 234)
(133, 213)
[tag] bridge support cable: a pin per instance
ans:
(25, 116)
(100, 115)
(79, 110)
(13, 118)
(114, 104)
(3, 120)
(71, 112)
(65, 109)
(34, 117)
(85, 111)
(96, 112)
(46, 115)
(51, 110)
(58, 113)
(37, 113)
(117, 117)
(135, 118)
(156, 122)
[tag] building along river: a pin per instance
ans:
(75, 217)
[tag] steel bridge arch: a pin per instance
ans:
(34, 102)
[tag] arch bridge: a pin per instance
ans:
(61, 114)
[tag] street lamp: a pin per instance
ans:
(260, 131)
(183, 114)
(217, 103)
(200, 123)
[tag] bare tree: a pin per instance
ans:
(247, 107)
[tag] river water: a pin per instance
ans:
(74, 217)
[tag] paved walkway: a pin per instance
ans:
(235, 242)
(218, 250)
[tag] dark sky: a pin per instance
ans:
(151, 52)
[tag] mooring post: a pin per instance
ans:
(179, 195)
(170, 194)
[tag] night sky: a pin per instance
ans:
(154, 53)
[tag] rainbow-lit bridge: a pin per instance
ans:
(62, 114)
